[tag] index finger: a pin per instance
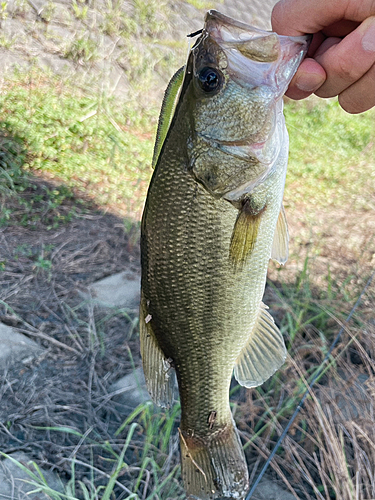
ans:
(297, 17)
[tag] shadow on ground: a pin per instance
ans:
(52, 245)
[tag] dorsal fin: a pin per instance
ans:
(263, 354)
(245, 233)
(280, 245)
(168, 107)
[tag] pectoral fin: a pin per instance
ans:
(159, 374)
(280, 245)
(245, 233)
(263, 354)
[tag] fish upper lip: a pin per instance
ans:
(221, 19)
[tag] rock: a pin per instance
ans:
(13, 479)
(118, 290)
(348, 400)
(131, 390)
(269, 489)
(15, 347)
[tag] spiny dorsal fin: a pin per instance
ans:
(263, 354)
(245, 233)
(280, 245)
(168, 107)
(160, 376)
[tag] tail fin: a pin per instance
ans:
(215, 466)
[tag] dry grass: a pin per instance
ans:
(329, 451)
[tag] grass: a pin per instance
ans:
(332, 154)
(146, 457)
(64, 142)
(152, 475)
(94, 147)
(88, 144)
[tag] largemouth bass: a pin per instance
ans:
(212, 220)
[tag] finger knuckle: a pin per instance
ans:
(345, 69)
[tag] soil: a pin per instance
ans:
(85, 349)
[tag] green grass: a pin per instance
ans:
(332, 155)
(89, 144)
(103, 151)
(153, 475)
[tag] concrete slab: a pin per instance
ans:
(14, 482)
(269, 489)
(256, 12)
(15, 346)
(131, 390)
(348, 402)
(118, 290)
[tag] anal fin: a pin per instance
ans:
(280, 245)
(264, 353)
(159, 374)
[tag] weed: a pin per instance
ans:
(115, 21)
(12, 156)
(331, 154)
(82, 50)
(74, 139)
(4, 10)
(80, 11)
(146, 17)
(201, 4)
(42, 263)
(7, 42)
(151, 474)
(48, 11)
(20, 8)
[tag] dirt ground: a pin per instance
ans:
(85, 350)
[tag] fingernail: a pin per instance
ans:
(368, 39)
(308, 82)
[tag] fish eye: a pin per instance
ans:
(209, 79)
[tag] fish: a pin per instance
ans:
(213, 218)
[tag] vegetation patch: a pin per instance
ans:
(332, 155)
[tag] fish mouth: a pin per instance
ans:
(259, 147)
(240, 142)
(256, 150)
(245, 149)
(256, 57)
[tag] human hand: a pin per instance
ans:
(341, 58)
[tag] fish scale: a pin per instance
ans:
(213, 217)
